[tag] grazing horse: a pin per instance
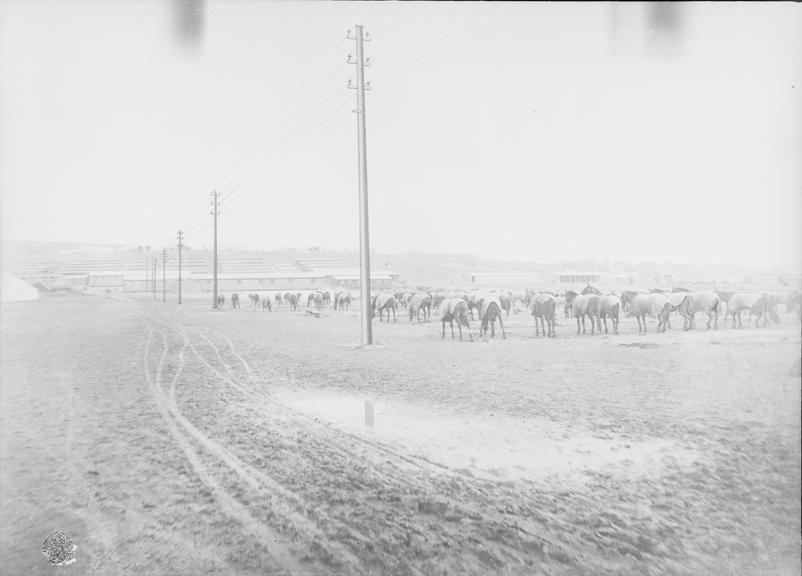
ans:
(505, 301)
(454, 309)
(292, 300)
(488, 314)
(640, 305)
(591, 290)
(254, 300)
(326, 298)
(277, 298)
(543, 306)
(315, 298)
(755, 303)
(530, 295)
(221, 300)
(420, 303)
(343, 302)
(437, 299)
(772, 300)
(474, 302)
(707, 302)
(235, 300)
(382, 302)
(564, 301)
(676, 299)
(266, 305)
(584, 305)
(609, 306)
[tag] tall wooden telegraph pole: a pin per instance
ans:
(180, 246)
(364, 232)
(215, 214)
(164, 275)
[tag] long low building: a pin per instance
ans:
(139, 281)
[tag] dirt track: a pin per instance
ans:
(168, 441)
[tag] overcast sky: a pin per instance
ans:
(519, 131)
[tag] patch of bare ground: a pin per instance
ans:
(181, 441)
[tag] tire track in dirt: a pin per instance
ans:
(230, 505)
(401, 465)
(420, 463)
(257, 479)
(252, 391)
(416, 461)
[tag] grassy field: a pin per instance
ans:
(167, 440)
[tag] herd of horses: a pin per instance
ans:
(318, 299)
(590, 305)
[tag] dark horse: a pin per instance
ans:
(491, 312)
(292, 300)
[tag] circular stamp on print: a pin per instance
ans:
(59, 549)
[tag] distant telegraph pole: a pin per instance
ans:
(164, 275)
(154, 277)
(364, 241)
(180, 245)
(215, 213)
(147, 267)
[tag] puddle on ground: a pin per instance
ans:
(489, 446)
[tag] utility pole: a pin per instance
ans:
(180, 245)
(154, 277)
(215, 213)
(164, 275)
(364, 235)
(147, 267)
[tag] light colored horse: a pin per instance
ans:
(382, 302)
(755, 303)
(585, 305)
(707, 302)
(676, 299)
(609, 307)
(455, 309)
(420, 303)
(543, 307)
(656, 305)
